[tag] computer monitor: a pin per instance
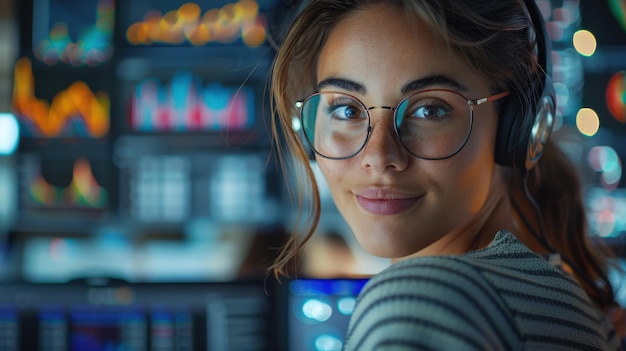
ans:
(318, 311)
(104, 316)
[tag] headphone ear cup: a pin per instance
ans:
(524, 131)
(543, 123)
(509, 147)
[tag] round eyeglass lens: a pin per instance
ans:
(335, 124)
(434, 124)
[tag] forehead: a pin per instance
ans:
(384, 47)
(377, 21)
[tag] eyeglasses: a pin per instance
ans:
(431, 124)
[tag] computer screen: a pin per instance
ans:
(318, 312)
(84, 316)
(110, 314)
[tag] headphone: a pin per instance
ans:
(523, 131)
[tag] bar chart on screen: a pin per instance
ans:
(186, 104)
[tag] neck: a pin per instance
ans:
(523, 233)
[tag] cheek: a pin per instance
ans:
(476, 181)
(324, 167)
(482, 141)
(331, 172)
(338, 176)
(473, 169)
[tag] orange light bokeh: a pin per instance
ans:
(224, 25)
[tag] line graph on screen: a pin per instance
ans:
(84, 191)
(73, 112)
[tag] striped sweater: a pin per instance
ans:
(502, 297)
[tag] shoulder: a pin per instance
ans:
(429, 276)
(502, 297)
(427, 301)
(451, 280)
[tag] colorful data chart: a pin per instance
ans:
(184, 105)
(69, 32)
(616, 96)
(187, 25)
(73, 112)
(83, 191)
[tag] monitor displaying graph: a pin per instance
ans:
(81, 316)
(73, 184)
(70, 108)
(185, 103)
(78, 33)
(199, 23)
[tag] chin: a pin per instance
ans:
(385, 243)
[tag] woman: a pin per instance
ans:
(405, 105)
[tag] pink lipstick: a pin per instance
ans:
(383, 203)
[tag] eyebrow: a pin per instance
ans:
(342, 83)
(438, 80)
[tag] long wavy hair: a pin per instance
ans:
(496, 38)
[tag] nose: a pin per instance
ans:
(383, 151)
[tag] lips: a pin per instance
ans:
(385, 203)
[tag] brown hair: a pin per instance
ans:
(556, 188)
(496, 38)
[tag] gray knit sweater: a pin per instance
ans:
(502, 297)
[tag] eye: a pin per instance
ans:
(345, 109)
(346, 112)
(429, 110)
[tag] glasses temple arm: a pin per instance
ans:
(489, 98)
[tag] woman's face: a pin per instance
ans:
(396, 204)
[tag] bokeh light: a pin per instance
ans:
(585, 42)
(188, 24)
(326, 342)
(9, 133)
(346, 305)
(603, 215)
(616, 96)
(587, 121)
(605, 160)
(296, 124)
(317, 310)
(607, 211)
